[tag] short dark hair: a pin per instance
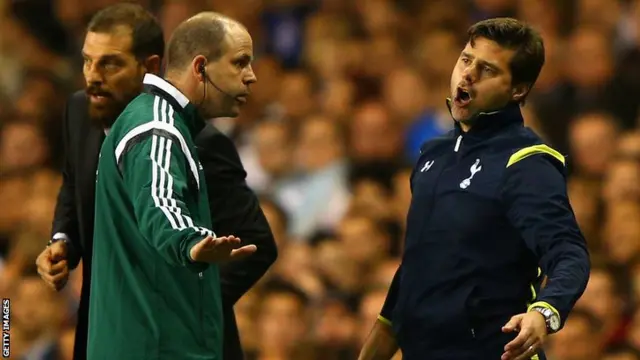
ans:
(509, 33)
(279, 286)
(146, 33)
(199, 36)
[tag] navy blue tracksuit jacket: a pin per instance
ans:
(489, 216)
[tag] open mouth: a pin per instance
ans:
(463, 97)
(99, 97)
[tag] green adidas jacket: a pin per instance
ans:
(148, 299)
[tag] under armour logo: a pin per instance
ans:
(474, 169)
(427, 166)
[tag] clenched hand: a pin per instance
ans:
(52, 265)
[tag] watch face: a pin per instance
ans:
(554, 322)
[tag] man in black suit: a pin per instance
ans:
(123, 43)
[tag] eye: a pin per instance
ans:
(466, 61)
(488, 70)
(111, 66)
(241, 64)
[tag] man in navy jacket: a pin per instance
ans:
(489, 218)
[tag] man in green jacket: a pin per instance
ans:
(155, 284)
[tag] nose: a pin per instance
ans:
(469, 74)
(92, 75)
(250, 78)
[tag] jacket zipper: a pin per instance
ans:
(458, 143)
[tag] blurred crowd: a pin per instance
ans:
(347, 91)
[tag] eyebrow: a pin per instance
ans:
(482, 62)
(106, 57)
(245, 57)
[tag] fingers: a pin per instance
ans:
(210, 249)
(527, 353)
(230, 241)
(58, 250)
(59, 268)
(517, 343)
(55, 275)
(59, 281)
(43, 262)
(513, 324)
(524, 346)
(243, 252)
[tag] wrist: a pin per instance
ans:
(551, 319)
(59, 237)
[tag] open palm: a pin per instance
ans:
(222, 249)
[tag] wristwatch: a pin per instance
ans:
(550, 317)
(58, 237)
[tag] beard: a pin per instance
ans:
(104, 114)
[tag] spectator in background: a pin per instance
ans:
(296, 96)
(593, 137)
(622, 352)
(37, 318)
(597, 83)
(604, 299)
(622, 177)
(586, 206)
(273, 149)
(580, 339)
(633, 337)
(335, 329)
(365, 241)
(317, 197)
(374, 137)
(622, 231)
(629, 144)
(345, 59)
(283, 322)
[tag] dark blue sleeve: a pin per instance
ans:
(535, 195)
(386, 314)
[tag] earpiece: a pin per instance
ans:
(201, 70)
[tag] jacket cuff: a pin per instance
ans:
(195, 266)
(384, 320)
(546, 305)
(73, 254)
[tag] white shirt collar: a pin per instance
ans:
(151, 79)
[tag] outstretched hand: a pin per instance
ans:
(219, 250)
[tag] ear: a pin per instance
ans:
(197, 64)
(152, 64)
(519, 91)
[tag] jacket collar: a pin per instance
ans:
(160, 87)
(487, 124)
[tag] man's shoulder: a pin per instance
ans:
(142, 110)
(523, 143)
(212, 137)
(438, 143)
(214, 145)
